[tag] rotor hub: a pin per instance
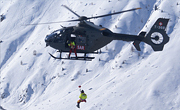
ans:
(82, 18)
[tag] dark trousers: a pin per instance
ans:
(71, 51)
(79, 101)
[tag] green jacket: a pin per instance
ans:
(83, 96)
(71, 44)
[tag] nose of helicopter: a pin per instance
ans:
(47, 44)
(48, 39)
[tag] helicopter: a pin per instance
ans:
(89, 37)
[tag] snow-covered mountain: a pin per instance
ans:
(121, 78)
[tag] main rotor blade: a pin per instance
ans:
(70, 10)
(81, 18)
(51, 22)
(113, 13)
(44, 23)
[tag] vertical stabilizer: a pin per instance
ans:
(156, 37)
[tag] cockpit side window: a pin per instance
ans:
(72, 35)
(81, 39)
(58, 36)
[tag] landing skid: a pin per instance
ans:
(74, 58)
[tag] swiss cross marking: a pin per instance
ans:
(160, 23)
(160, 26)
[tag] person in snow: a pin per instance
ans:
(72, 46)
(82, 97)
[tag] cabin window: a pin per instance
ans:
(81, 39)
(72, 35)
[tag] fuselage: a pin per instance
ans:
(87, 37)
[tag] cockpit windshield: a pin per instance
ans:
(60, 35)
(60, 31)
(56, 36)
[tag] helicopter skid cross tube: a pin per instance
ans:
(74, 58)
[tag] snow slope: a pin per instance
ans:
(119, 79)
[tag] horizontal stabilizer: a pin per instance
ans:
(136, 45)
(137, 42)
